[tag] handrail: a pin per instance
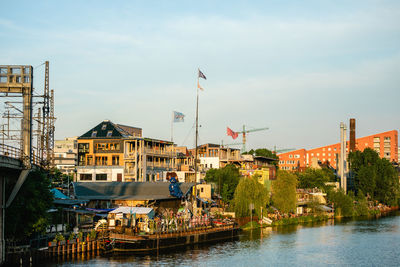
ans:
(16, 153)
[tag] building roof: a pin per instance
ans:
(107, 129)
(58, 194)
(126, 190)
(132, 210)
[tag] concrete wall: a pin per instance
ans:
(209, 162)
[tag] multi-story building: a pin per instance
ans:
(114, 152)
(66, 154)
(216, 156)
(385, 144)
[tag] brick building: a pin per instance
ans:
(385, 144)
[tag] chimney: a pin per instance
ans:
(352, 146)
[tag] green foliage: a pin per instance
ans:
(80, 235)
(343, 204)
(301, 219)
(312, 178)
(93, 234)
(226, 179)
(71, 236)
(374, 176)
(40, 225)
(251, 225)
(58, 178)
(315, 207)
(59, 237)
(27, 214)
(284, 191)
(361, 207)
(264, 152)
(248, 191)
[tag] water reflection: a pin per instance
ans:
(346, 242)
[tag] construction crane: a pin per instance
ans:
(244, 132)
(231, 144)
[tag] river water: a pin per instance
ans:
(364, 242)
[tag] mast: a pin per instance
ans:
(197, 134)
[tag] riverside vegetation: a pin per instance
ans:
(374, 184)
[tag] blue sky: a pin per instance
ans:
(297, 67)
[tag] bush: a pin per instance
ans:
(93, 234)
(343, 204)
(58, 237)
(71, 236)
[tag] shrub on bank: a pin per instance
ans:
(298, 220)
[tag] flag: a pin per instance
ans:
(201, 75)
(199, 86)
(231, 133)
(178, 117)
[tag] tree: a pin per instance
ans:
(226, 179)
(248, 191)
(264, 152)
(27, 214)
(343, 203)
(284, 191)
(374, 176)
(312, 178)
(58, 178)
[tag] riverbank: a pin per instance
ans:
(374, 212)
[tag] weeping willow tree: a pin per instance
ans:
(248, 191)
(284, 191)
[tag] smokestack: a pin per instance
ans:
(352, 135)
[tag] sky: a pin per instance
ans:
(297, 67)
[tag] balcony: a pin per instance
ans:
(159, 152)
(159, 165)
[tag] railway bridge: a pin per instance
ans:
(26, 139)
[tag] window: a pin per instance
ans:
(290, 156)
(89, 160)
(202, 190)
(83, 148)
(115, 160)
(15, 70)
(103, 127)
(101, 161)
(85, 177)
(329, 149)
(94, 133)
(101, 177)
(109, 133)
(210, 165)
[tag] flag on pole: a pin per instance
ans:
(231, 133)
(178, 117)
(199, 86)
(201, 75)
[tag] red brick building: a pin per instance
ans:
(386, 144)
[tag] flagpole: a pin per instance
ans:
(197, 133)
(172, 127)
